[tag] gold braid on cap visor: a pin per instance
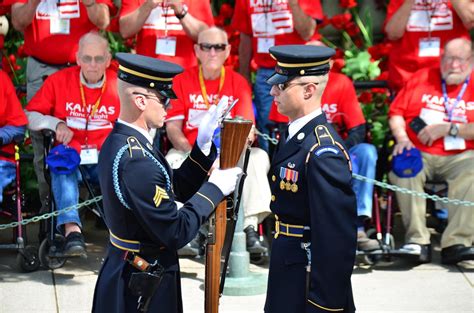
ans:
(127, 70)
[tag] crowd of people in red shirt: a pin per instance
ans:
(71, 91)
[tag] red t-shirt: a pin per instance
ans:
(422, 96)
(11, 112)
(404, 59)
(60, 96)
(339, 103)
(5, 6)
(57, 42)
(265, 22)
(161, 23)
(190, 106)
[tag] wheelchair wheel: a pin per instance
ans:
(381, 259)
(28, 260)
(47, 253)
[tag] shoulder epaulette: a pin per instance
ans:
(323, 136)
(134, 144)
(326, 144)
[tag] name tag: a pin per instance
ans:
(59, 26)
(454, 143)
(89, 155)
(429, 47)
(264, 44)
(166, 46)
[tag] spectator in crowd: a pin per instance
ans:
(12, 125)
(165, 29)
(52, 30)
(419, 29)
(342, 110)
(80, 104)
(443, 97)
(263, 24)
(198, 88)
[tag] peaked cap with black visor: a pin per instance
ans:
(148, 72)
(299, 60)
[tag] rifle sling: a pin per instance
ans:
(229, 235)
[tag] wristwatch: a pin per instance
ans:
(453, 130)
(183, 13)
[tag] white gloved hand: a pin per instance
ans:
(225, 180)
(209, 123)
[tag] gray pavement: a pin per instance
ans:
(393, 287)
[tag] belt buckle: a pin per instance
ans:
(277, 228)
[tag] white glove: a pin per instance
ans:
(208, 125)
(225, 180)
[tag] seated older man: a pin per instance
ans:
(434, 113)
(12, 125)
(80, 104)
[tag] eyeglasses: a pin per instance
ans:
(458, 59)
(99, 59)
(164, 101)
(284, 86)
(206, 47)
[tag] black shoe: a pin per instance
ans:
(75, 245)
(456, 253)
(254, 246)
(422, 253)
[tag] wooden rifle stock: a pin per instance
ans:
(234, 134)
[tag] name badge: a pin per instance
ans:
(264, 44)
(454, 143)
(59, 26)
(429, 47)
(166, 46)
(89, 155)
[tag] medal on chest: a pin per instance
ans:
(288, 179)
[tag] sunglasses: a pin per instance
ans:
(219, 47)
(284, 86)
(99, 59)
(164, 101)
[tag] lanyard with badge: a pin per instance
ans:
(450, 142)
(58, 25)
(268, 41)
(166, 45)
(216, 135)
(431, 46)
(89, 153)
(203, 87)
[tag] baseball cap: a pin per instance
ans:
(63, 160)
(407, 164)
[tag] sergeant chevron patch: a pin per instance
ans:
(160, 194)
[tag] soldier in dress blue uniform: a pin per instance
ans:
(315, 242)
(140, 189)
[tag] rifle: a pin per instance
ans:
(234, 135)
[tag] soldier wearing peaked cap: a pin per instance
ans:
(141, 270)
(315, 242)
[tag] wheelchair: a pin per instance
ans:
(52, 242)
(15, 207)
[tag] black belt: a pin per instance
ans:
(289, 230)
(68, 64)
(144, 249)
